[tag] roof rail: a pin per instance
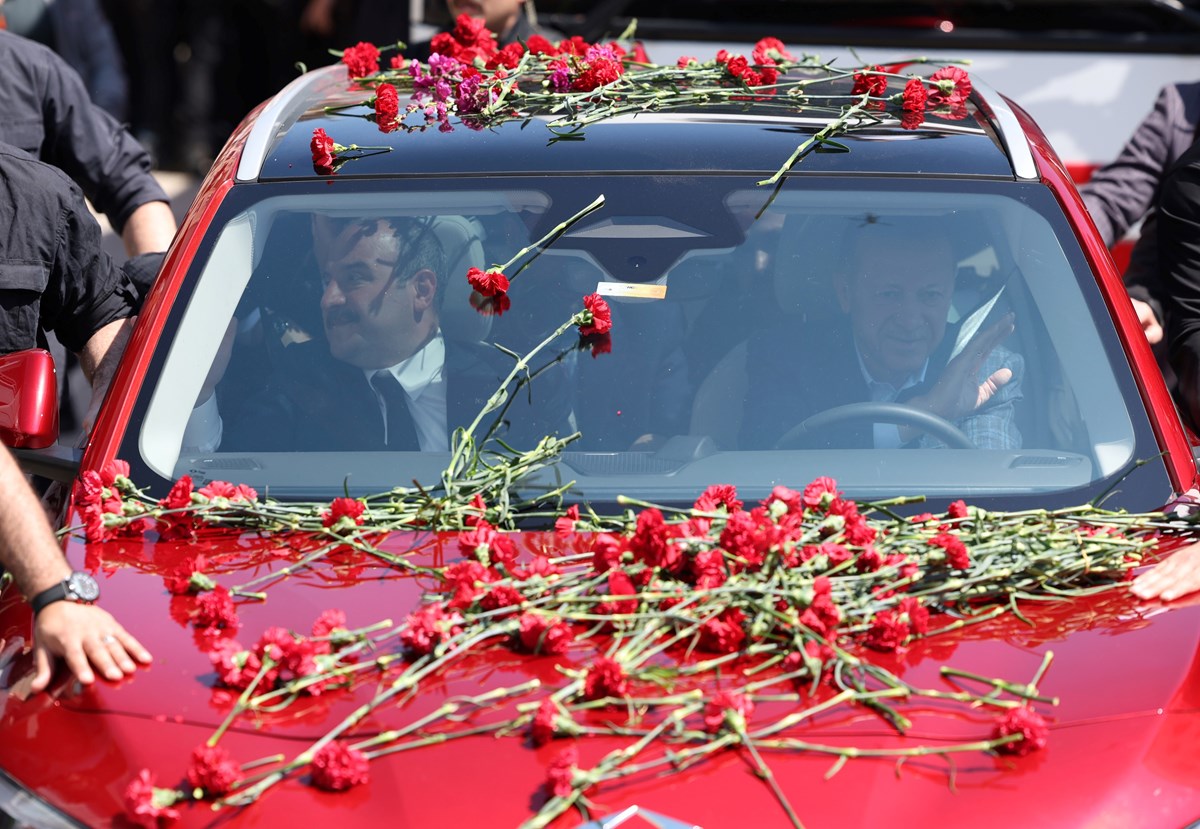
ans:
(1008, 128)
(279, 113)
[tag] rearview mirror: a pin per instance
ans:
(28, 399)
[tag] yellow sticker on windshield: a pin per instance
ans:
(638, 290)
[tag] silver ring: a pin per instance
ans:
(108, 640)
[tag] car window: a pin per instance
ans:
(738, 315)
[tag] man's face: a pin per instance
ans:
(499, 15)
(373, 319)
(898, 294)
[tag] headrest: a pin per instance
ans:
(462, 243)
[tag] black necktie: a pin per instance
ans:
(401, 434)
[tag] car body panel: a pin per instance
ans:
(1126, 677)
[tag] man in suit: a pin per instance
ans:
(385, 377)
(896, 291)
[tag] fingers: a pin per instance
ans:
(1172, 578)
(1151, 327)
(990, 386)
(87, 638)
(43, 662)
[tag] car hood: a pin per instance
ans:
(1120, 751)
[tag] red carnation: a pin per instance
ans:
(917, 613)
(771, 49)
(736, 65)
(324, 152)
(348, 508)
(387, 107)
(560, 777)
(213, 770)
(887, 632)
(725, 706)
(956, 552)
(425, 628)
(722, 633)
(598, 316)
(464, 579)
(361, 60)
(538, 45)
(953, 87)
(605, 678)
(180, 496)
(1026, 722)
(564, 525)
(958, 509)
(870, 82)
(716, 496)
(915, 96)
(540, 634)
(820, 493)
(708, 569)
(543, 726)
(336, 768)
(489, 282)
(216, 611)
(148, 806)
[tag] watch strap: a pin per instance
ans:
(52, 594)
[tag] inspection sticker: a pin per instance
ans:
(638, 290)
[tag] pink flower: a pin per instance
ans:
(148, 806)
(1026, 722)
(489, 282)
(336, 768)
(361, 60)
(598, 319)
(213, 770)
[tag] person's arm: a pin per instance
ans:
(149, 228)
(86, 637)
(1179, 263)
(1123, 191)
(99, 358)
(93, 148)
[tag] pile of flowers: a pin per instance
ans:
(681, 630)
(468, 77)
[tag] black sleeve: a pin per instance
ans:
(86, 290)
(96, 151)
(1179, 259)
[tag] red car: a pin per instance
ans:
(696, 327)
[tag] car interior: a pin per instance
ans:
(664, 404)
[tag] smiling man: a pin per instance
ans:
(895, 346)
(385, 376)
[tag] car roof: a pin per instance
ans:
(754, 136)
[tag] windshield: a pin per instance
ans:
(329, 340)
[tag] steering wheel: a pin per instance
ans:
(897, 413)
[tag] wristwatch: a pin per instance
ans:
(77, 587)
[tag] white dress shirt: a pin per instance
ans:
(887, 435)
(422, 377)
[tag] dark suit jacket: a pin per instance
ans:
(793, 375)
(315, 403)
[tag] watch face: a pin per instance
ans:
(82, 587)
